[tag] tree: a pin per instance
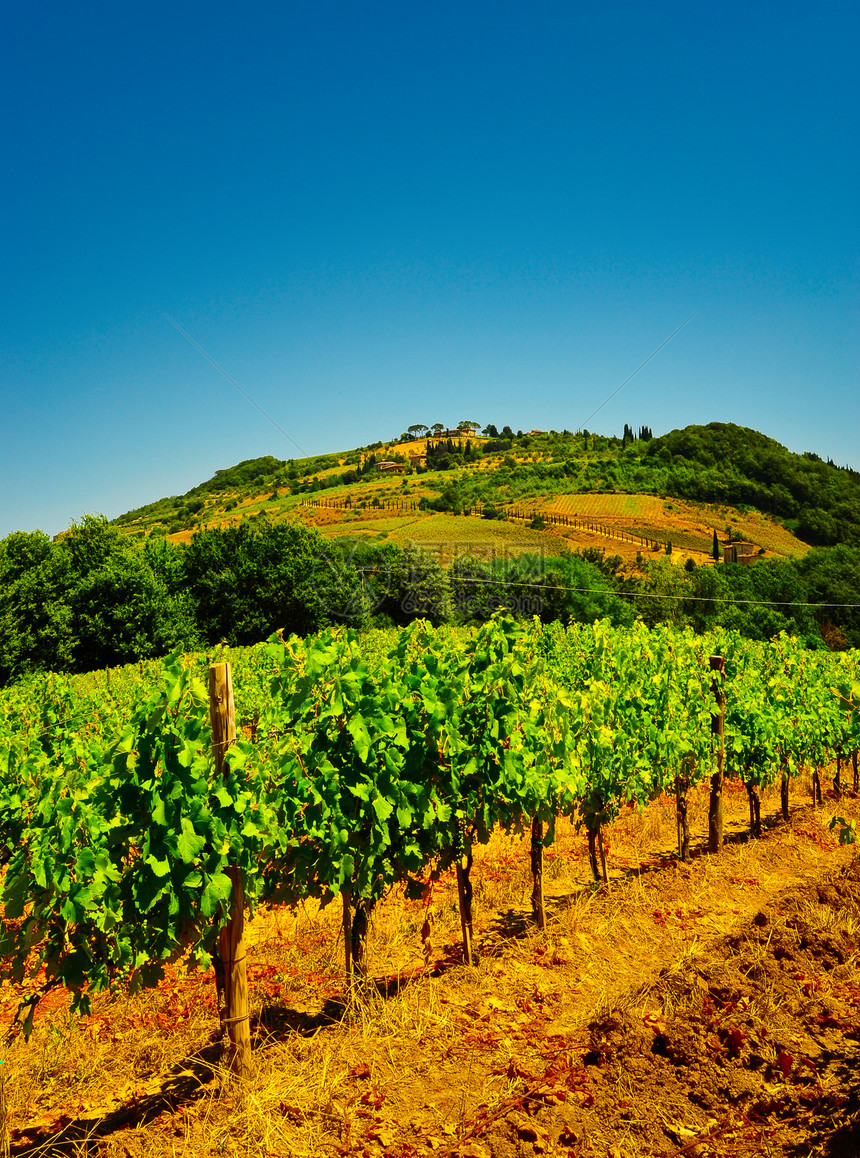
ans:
(121, 609)
(571, 588)
(663, 588)
(246, 582)
(832, 575)
(477, 588)
(467, 423)
(35, 632)
(412, 585)
(418, 430)
(715, 548)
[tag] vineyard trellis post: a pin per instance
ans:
(602, 847)
(356, 945)
(784, 787)
(718, 728)
(682, 787)
(231, 939)
(817, 797)
(538, 910)
(346, 898)
(464, 898)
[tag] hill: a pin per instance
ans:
(725, 463)
(569, 527)
(727, 479)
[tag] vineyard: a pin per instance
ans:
(641, 508)
(136, 826)
(684, 524)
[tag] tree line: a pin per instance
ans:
(95, 598)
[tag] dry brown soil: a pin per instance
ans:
(708, 1010)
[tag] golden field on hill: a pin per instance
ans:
(690, 526)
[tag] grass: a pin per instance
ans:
(688, 525)
(458, 534)
(444, 1061)
(684, 539)
(360, 524)
(609, 506)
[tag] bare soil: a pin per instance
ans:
(708, 1010)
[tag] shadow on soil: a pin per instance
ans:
(831, 1140)
(189, 1079)
(518, 924)
(182, 1085)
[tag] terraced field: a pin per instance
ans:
(452, 535)
(643, 508)
(689, 526)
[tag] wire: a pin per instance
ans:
(638, 368)
(629, 594)
(233, 382)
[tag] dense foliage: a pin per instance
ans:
(95, 599)
(375, 762)
(717, 463)
(91, 600)
(731, 464)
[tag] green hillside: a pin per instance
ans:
(568, 527)
(721, 465)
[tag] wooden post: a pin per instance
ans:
(755, 809)
(592, 852)
(602, 854)
(464, 896)
(231, 939)
(783, 790)
(538, 910)
(816, 787)
(347, 937)
(718, 726)
(358, 946)
(4, 1110)
(682, 787)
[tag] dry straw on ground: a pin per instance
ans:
(545, 1047)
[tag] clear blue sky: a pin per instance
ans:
(378, 214)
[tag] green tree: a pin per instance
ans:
(567, 588)
(662, 593)
(120, 608)
(411, 585)
(247, 582)
(35, 627)
(832, 575)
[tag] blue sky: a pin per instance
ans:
(381, 214)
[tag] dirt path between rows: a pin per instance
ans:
(708, 1010)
